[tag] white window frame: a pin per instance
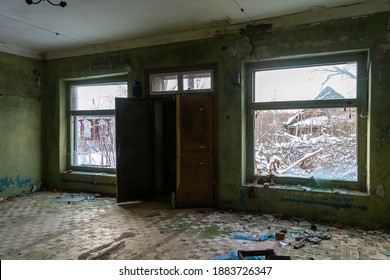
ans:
(180, 77)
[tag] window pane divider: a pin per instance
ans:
(339, 103)
(92, 113)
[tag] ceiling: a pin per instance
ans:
(43, 30)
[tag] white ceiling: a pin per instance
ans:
(42, 29)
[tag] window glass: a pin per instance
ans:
(307, 143)
(94, 141)
(197, 81)
(92, 133)
(307, 121)
(334, 81)
(96, 97)
(164, 83)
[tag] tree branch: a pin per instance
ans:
(299, 161)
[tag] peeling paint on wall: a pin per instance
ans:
(380, 191)
(8, 182)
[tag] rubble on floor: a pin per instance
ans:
(36, 226)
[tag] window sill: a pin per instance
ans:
(89, 177)
(300, 188)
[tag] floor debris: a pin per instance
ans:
(71, 198)
(233, 255)
(36, 226)
(246, 236)
(100, 254)
(386, 253)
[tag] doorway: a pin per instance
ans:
(164, 146)
(181, 142)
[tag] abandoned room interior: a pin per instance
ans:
(194, 130)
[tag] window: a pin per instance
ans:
(92, 119)
(162, 83)
(171, 83)
(308, 121)
(195, 81)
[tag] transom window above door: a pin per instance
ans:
(172, 83)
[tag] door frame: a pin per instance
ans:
(215, 111)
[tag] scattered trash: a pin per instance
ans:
(106, 248)
(70, 198)
(270, 218)
(284, 244)
(304, 224)
(386, 253)
(77, 197)
(314, 240)
(36, 187)
(97, 255)
(279, 215)
(247, 236)
(246, 218)
(280, 235)
(299, 244)
(124, 235)
(233, 255)
(338, 225)
(311, 236)
(268, 254)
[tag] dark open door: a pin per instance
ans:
(195, 178)
(134, 149)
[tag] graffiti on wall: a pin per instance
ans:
(17, 182)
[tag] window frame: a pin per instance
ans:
(100, 113)
(180, 77)
(360, 102)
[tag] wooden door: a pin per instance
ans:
(194, 151)
(134, 149)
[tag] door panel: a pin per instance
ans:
(195, 119)
(133, 145)
(195, 151)
(195, 174)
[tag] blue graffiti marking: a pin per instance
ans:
(346, 204)
(385, 133)
(8, 182)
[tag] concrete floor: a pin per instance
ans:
(47, 225)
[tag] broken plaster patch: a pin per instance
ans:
(343, 39)
(380, 191)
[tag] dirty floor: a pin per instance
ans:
(46, 225)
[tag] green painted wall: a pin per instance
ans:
(20, 124)
(371, 32)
